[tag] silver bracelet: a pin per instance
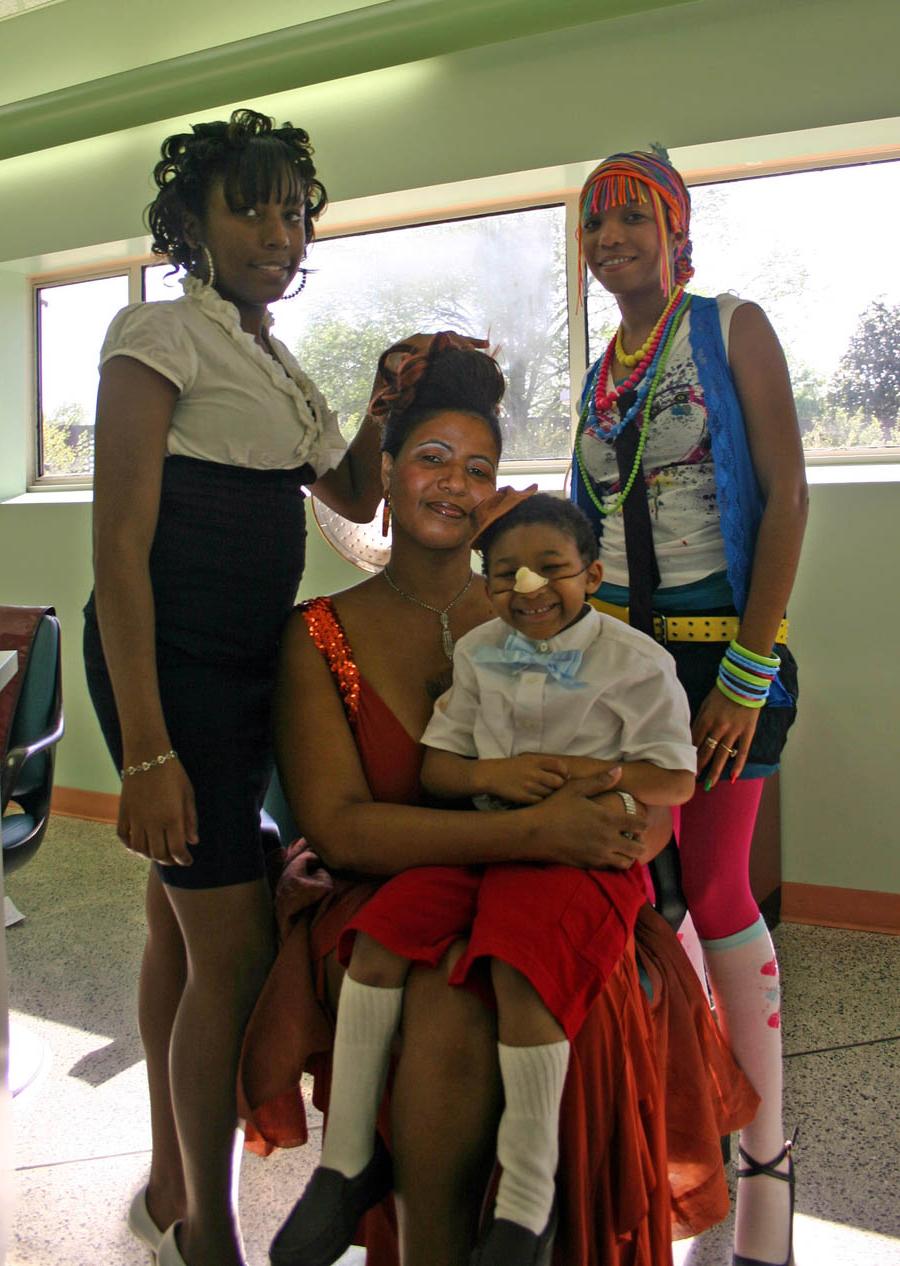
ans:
(147, 764)
(630, 808)
(628, 800)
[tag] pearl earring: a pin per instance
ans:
(210, 266)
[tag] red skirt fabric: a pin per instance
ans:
(651, 1087)
(564, 929)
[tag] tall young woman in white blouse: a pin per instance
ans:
(207, 432)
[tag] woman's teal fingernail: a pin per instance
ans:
(707, 786)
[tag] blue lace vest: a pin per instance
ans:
(738, 494)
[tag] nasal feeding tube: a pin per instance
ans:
(528, 581)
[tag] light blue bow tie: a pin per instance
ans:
(518, 652)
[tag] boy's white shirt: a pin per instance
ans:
(631, 705)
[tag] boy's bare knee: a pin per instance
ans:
(509, 982)
(372, 964)
(452, 957)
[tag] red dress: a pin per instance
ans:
(651, 1087)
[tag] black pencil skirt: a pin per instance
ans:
(226, 561)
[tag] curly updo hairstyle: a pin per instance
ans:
(451, 375)
(257, 162)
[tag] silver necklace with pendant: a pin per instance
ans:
(443, 615)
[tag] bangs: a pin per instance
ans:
(613, 189)
(264, 171)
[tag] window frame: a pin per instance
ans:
(379, 213)
(130, 268)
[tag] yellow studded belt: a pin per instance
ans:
(689, 628)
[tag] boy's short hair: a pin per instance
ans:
(543, 508)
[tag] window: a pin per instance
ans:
(832, 294)
(501, 277)
(818, 251)
(160, 282)
(71, 320)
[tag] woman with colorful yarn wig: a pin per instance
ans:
(650, 1084)
(688, 461)
(208, 430)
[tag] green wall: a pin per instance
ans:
(839, 789)
(686, 75)
(683, 75)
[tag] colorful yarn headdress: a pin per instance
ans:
(642, 177)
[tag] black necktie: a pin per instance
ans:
(643, 572)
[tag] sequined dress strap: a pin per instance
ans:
(329, 637)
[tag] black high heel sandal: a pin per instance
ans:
(752, 1170)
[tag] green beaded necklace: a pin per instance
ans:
(645, 428)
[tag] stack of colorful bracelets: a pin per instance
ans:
(745, 677)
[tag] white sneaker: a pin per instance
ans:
(141, 1225)
(168, 1253)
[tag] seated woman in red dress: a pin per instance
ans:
(650, 1088)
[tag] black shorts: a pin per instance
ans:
(697, 664)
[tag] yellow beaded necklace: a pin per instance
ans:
(630, 359)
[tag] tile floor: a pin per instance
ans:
(81, 1128)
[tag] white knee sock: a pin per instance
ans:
(366, 1023)
(528, 1137)
(743, 973)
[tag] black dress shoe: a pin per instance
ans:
(320, 1227)
(508, 1244)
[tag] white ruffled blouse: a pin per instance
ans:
(237, 405)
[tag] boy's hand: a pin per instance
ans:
(587, 766)
(524, 779)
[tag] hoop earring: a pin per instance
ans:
(386, 515)
(210, 266)
(303, 273)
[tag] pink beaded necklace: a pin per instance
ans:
(604, 399)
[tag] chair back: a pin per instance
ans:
(35, 728)
(35, 709)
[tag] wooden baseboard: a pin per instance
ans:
(856, 908)
(96, 806)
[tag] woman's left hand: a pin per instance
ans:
(644, 843)
(722, 729)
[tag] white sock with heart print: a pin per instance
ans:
(743, 974)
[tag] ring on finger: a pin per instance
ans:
(732, 751)
(710, 742)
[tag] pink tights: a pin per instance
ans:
(714, 832)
